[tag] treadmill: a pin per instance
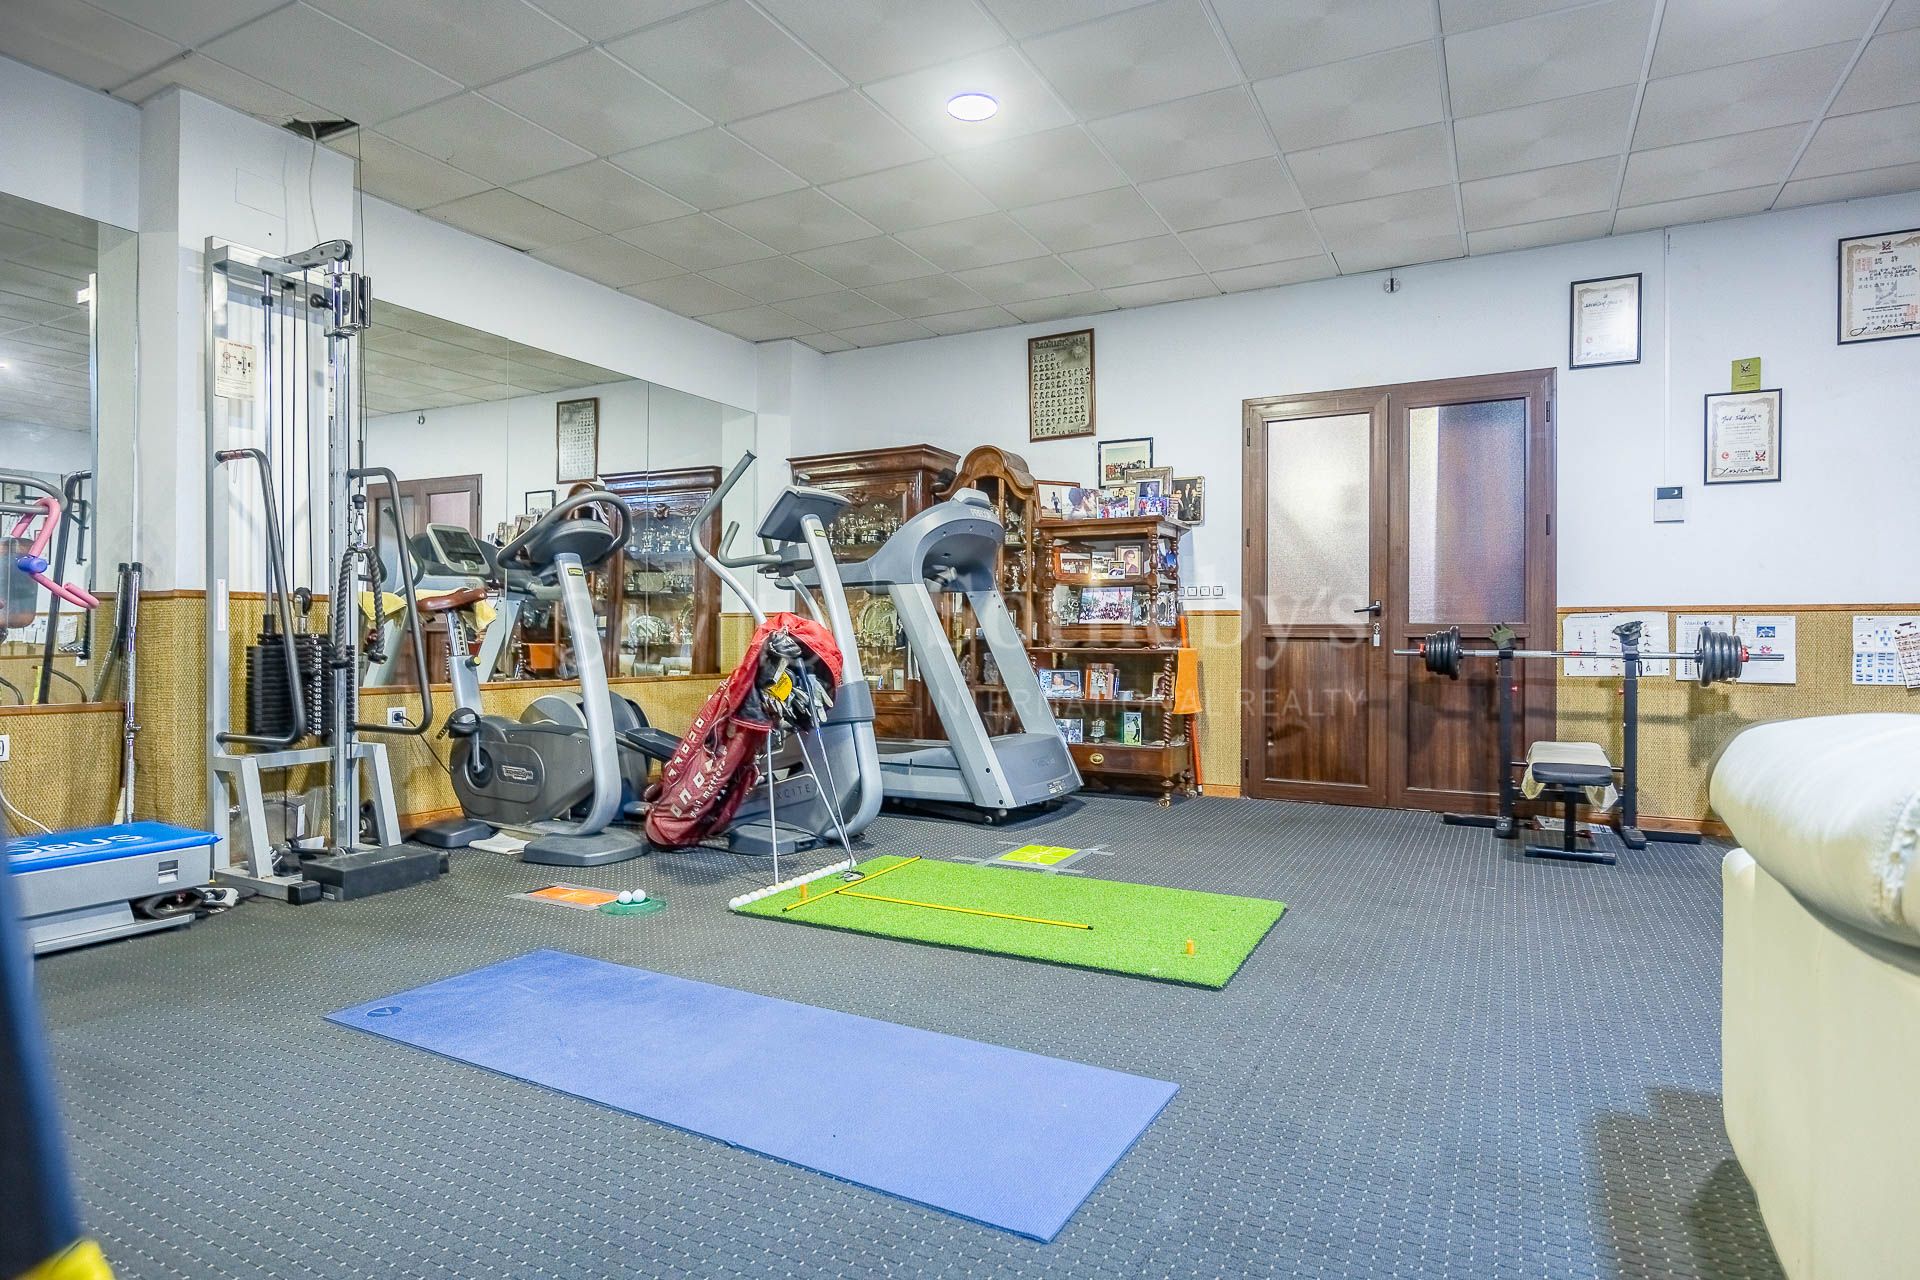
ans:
(952, 547)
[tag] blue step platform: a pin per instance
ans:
(78, 887)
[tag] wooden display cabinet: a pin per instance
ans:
(885, 487)
(664, 602)
(1123, 688)
(1009, 485)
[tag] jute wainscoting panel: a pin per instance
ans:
(63, 764)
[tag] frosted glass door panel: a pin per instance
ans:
(1319, 517)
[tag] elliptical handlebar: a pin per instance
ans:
(514, 553)
(723, 566)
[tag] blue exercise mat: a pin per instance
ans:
(1011, 1139)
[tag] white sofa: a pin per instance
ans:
(1820, 1023)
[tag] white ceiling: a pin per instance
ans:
(45, 259)
(414, 361)
(785, 168)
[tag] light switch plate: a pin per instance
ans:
(1669, 504)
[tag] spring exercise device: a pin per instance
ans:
(1718, 657)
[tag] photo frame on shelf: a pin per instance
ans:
(1072, 728)
(1189, 499)
(1057, 499)
(1106, 605)
(1743, 436)
(1116, 502)
(1130, 560)
(539, 500)
(1060, 385)
(1062, 682)
(1069, 562)
(1603, 323)
(1880, 287)
(1119, 459)
(1149, 484)
(576, 428)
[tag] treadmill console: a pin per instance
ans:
(457, 551)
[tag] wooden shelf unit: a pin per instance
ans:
(663, 602)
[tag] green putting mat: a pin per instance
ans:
(1095, 924)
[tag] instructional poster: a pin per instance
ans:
(1594, 631)
(1878, 644)
(1768, 633)
(1686, 638)
(235, 370)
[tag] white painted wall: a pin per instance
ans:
(1842, 527)
(69, 147)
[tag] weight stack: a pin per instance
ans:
(269, 694)
(313, 652)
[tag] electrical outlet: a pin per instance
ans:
(6, 740)
(397, 717)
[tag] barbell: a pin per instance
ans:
(1718, 657)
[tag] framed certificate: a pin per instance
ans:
(1604, 327)
(1880, 287)
(576, 439)
(1743, 437)
(1060, 385)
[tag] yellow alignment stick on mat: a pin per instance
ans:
(972, 911)
(849, 884)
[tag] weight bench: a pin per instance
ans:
(1570, 773)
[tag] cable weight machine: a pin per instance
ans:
(281, 401)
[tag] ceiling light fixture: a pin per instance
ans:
(972, 107)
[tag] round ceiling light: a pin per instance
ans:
(971, 107)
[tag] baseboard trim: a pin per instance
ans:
(1220, 789)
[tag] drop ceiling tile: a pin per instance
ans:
(1272, 275)
(1788, 88)
(928, 296)
(1033, 17)
(474, 41)
(1672, 213)
(474, 135)
(918, 100)
(982, 241)
(1412, 215)
(609, 260)
(1231, 193)
(1133, 59)
(773, 280)
(842, 310)
(605, 19)
(510, 219)
(597, 103)
(358, 78)
(1850, 186)
(727, 62)
(1583, 127)
(798, 220)
(1273, 39)
(1540, 194)
(1706, 33)
(868, 39)
(603, 197)
(1555, 55)
(188, 22)
(710, 169)
(1866, 140)
(1582, 226)
(831, 138)
(1081, 222)
(1380, 93)
(697, 242)
(1246, 244)
(1203, 132)
(1038, 167)
(1470, 15)
(689, 295)
(757, 324)
(79, 42)
(1024, 281)
(200, 74)
(394, 171)
(877, 335)
(1135, 262)
(1155, 292)
(1400, 251)
(1378, 166)
(1049, 309)
(914, 195)
(1887, 75)
(826, 343)
(859, 263)
(970, 321)
(1717, 164)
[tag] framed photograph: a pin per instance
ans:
(539, 501)
(1190, 499)
(576, 439)
(1130, 561)
(1100, 563)
(1743, 437)
(1056, 499)
(1116, 503)
(1072, 728)
(1061, 682)
(1604, 327)
(1085, 504)
(1130, 727)
(1119, 459)
(1106, 604)
(1880, 287)
(1060, 385)
(1148, 483)
(1071, 564)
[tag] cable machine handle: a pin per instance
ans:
(276, 588)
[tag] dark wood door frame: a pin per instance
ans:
(1388, 678)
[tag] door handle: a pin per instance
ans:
(1373, 609)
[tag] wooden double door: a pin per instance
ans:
(1374, 516)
